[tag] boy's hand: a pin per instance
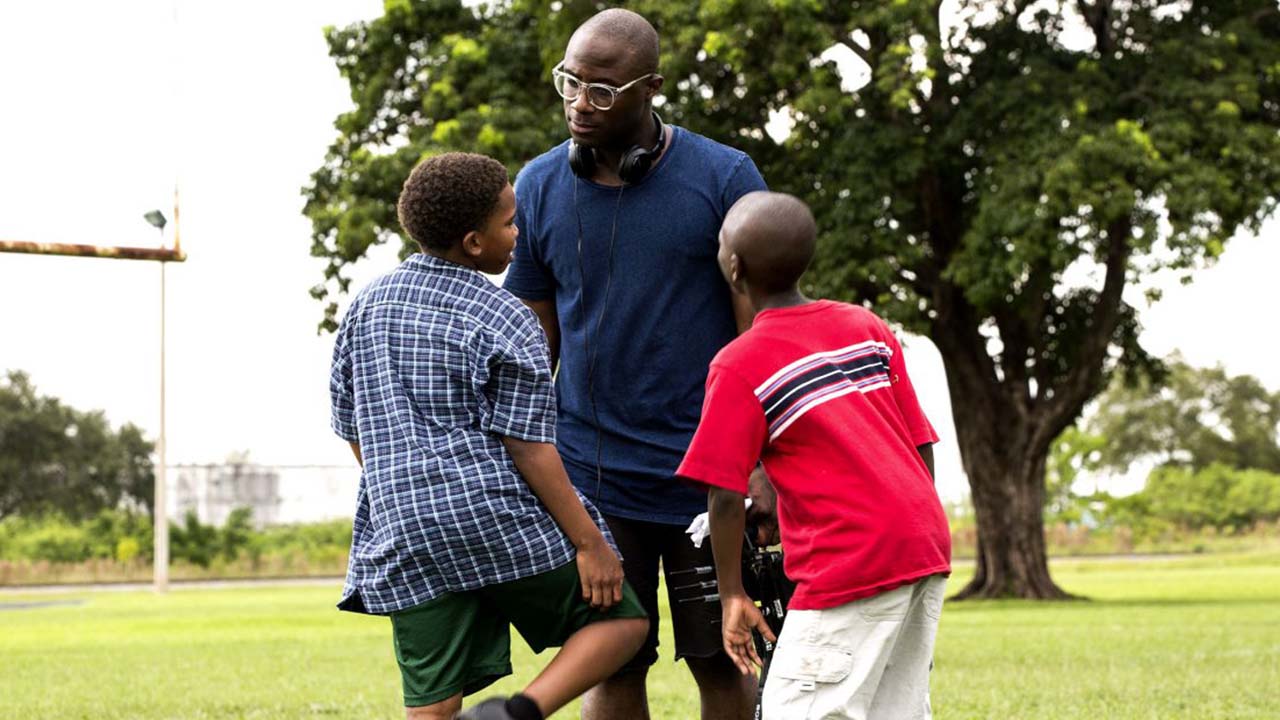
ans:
(601, 574)
(598, 567)
(739, 616)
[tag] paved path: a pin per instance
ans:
(173, 585)
(316, 582)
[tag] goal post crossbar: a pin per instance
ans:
(160, 254)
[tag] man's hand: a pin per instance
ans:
(601, 575)
(739, 616)
(763, 513)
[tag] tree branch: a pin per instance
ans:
(955, 327)
(1013, 359)
(943, 217)
(971, 374)
(840, 30)
(1260, 15)
(938, 103)
(857, 50)
(919, 284)
(1074, 390)
(1098, 17)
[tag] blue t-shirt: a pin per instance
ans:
(668, 311)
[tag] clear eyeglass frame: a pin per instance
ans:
(600, 95)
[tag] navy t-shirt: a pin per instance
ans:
(644, 361)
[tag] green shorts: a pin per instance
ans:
(461, 642)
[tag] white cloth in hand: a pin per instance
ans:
(700, 528)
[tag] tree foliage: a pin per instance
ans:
(1007, 172)
(1073, 453)
(1213, 438)
(1217, 497)
(1195, 418)
(54, 458)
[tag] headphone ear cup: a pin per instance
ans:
(635, 165)
(582, 160)
(637, 161)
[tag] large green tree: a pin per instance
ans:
(54, 458)
(1009, 170)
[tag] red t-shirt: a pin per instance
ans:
(820, 394)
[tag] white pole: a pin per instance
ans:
(161, 550)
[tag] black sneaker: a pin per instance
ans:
(491, 709)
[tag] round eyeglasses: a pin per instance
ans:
(601, 96)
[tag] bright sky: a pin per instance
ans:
(105, 104)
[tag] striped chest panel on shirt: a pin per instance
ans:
(821, 377)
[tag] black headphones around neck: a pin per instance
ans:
(635, 163)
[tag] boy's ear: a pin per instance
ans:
(471, 244)
(737, 272)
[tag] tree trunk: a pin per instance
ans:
(1003, 444)
(1008, 499)
(1007, 414)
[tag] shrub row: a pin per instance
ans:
(127, 538)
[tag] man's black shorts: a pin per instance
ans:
(691, 587)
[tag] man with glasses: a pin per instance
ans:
(617, 257)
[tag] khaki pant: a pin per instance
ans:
(865, 660)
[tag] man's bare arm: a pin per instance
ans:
(550, 322)
(355, 450)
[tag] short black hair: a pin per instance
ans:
(448, 196)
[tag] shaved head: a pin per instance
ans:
(627, 36)
(773, 235)
(616, 48)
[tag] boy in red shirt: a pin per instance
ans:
(817, 391)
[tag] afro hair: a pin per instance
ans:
(448, 196)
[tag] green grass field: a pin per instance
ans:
(1196, 637)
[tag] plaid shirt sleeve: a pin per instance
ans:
(341, 392)
(519, 389)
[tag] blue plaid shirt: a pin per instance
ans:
(433, 364)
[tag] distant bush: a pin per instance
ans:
(127, 550)
(1178, 510)
(53, 538)
(1218, 498)
(193, 541)
(123, 537)
(56, 542)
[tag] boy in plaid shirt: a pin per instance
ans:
(466, 522)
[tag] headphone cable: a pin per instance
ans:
(593, 353)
